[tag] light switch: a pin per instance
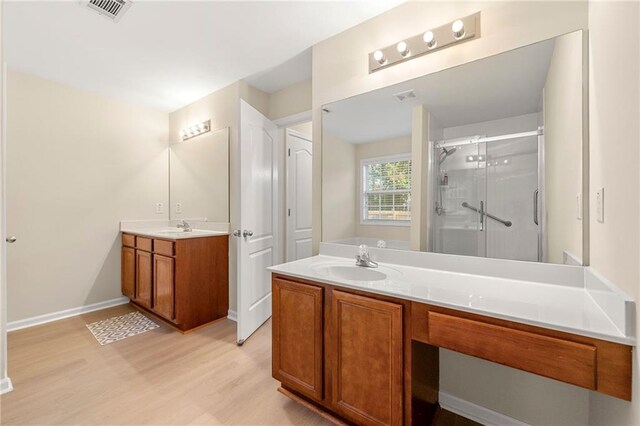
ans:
(178, 207)
(579, 205)
(159, 208)
(600, 205)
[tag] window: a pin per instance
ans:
(386, 190)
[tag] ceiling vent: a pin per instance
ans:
(112, 9)
(403, 96)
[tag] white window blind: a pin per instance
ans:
(386, 195)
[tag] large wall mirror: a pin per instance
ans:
(484, 159)
(199, 178)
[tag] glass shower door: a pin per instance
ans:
(460, 185)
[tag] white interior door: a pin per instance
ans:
(258, 219)
(299, 174)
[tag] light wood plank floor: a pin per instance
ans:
(62, 375)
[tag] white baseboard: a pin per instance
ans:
(475, 412)
(232, 315)
(5, 385)
(54, 316)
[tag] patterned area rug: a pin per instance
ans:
(118, 328)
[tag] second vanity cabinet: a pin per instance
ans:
(184, 281)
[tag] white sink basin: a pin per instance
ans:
(351, 272)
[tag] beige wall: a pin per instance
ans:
(199, 177)
(305, 129)
(339, 179)
(77, 164)
(290, 100)
(340, 71)
(363, 151)
(614, 103)
(563, 148)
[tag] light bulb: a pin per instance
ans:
(430, 39)
(379, 57)
(458, 28)
(201, 126)
(403, 49)
(182, 133)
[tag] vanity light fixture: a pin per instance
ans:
(403, 49)
(458, 29)
(429, 41)
(195, 130)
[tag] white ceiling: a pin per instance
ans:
(501, 86)
(167, 54)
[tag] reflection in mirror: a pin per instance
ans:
(484, 159)
(199, 178)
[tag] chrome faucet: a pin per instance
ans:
(363, 259)
(185, 226)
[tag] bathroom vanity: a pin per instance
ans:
(182, 277)
(360, 345)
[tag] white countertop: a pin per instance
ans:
(569, 308)
(167, 228)
(174, 233)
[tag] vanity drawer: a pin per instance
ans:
(163, 247)
(128, 240)
(143, 243)
(559, 359)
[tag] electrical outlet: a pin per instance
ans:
(178, 207)
(159, 208)
(579, 205)
(600, 205)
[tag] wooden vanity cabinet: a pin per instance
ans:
(368, 359)
(184, 281)
(345, 352)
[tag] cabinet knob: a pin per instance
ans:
(11, 239)
(247, 233)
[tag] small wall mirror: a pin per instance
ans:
(199, 178)
(484, 159)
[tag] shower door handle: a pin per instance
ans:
(535, 206)
(481, 215)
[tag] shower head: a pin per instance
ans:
(445, 153)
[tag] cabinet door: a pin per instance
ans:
(163, 286)
(128, 272)
(297, 337)
(143, 278)
(366, 359)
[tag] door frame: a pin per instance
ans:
(283, 123)
(287, 186)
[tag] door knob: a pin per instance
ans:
(237, 233)
(247, 233)
(11, 239)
